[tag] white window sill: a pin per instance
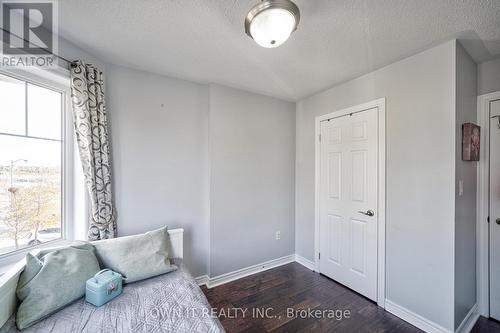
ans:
(8, 260)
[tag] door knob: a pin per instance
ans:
(371, 213)
(497, 221)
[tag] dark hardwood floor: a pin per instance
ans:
(286, 290)
(484, 325)
(293, 286)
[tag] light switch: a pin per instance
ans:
(460, 188)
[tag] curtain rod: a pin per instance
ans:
(71, 63)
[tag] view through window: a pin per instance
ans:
(30, 164)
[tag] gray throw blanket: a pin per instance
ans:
(170, 302)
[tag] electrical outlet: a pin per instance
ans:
(278, 235)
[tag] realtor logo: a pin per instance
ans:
(28, 37)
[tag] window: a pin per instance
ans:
(32, 163)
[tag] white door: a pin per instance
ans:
(494, 211)
(348, 200)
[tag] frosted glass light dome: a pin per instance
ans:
(271, 22)
(272, 27)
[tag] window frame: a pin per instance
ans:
(56, 80)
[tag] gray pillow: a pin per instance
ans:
(136, 257)
(53, 279)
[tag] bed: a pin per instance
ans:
(170, 302)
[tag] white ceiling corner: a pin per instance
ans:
(204, 40)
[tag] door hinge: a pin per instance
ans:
(319, 255)
(488, 219)
(320, 138)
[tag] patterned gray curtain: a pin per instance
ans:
(89, 118)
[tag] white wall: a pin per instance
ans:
(162, 175)
(159, 132)
(252, 157)
(465, 205)
(233, 195)
(420, 92)
(488, 77)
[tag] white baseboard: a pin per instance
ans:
(202, 280)
(469, 320)
(241, 273)
(414, 319)
(305, 262)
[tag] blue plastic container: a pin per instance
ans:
(103, 287)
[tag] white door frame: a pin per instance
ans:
(483, 178)
(380, 105)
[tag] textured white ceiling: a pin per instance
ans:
(204, 40)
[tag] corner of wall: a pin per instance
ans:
(465, 280)
(297, 147)
(209, 184)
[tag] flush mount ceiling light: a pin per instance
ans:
(271, 22)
